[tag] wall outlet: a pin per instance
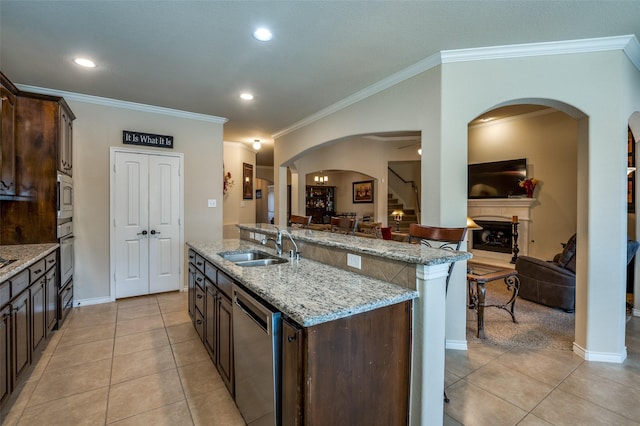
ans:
(354, 261)
(211, 203)
(259, 237)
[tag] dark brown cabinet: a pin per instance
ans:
(41, 122)
(28, 315)
(65, 141)
(320, 203)
(354, 370)
(51, 296)
(20, 342)
(210, 300)
(5, 358)
(7, 137)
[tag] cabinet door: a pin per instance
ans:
(5, 362)
(65, 142)
(210, 331)
(292, 373)
(38, 313)
(51, 299)
(192, 292)
(20, 336)
(7, 141)
(225, 341)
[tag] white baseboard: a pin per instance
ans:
(94, 301)
(611, 357)
(459, 345)
(636, 312)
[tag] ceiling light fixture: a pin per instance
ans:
(262, 34)
(246, 96)
(321, 180)
(257, 145)
(83, 62)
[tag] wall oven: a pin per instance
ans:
(65, 285)
(65, 197)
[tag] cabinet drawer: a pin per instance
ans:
(50, 261)
(19, 283)
(200, 298)
(37, 270)
(225, 283)
(199, 263)
(5, 293)
(199, 280)
(210, 272)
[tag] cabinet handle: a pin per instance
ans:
(52, 261)
(199, 279)
(291, 338)
(37, 271)
(199, 321)
(199, 296)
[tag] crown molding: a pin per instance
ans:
(97, 100)
(398, 77)
(627, 43)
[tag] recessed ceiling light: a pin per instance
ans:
(257, 145)
(262, 34)
(246, 96)
(83, 62)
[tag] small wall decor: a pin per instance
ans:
(247, 181)
(146, 139)
(363, 191)
(258, 194)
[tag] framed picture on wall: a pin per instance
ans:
(363, 191)
(247, 181)
(258, 194)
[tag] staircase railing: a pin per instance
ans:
(416, 192)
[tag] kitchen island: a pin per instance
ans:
(329, 306)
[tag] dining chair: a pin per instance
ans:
(296, 221)
(344, 225)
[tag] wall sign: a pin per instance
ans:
(147, 139)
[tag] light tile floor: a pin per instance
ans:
(139, 362)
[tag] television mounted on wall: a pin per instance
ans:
(498, 179)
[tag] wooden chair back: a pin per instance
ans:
(300, 221)
(447, 238)
(345, 225)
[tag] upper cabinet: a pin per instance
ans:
(66, 138)
(7, 137)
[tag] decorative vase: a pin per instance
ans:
(530, 192)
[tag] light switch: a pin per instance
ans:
(211, 203)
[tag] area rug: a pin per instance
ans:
(538, 326)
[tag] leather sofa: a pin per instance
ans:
(551, 283)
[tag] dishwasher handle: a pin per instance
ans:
(262, 320)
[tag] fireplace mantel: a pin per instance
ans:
(502, 209)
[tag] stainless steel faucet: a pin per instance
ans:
(276, 242)
(297, 252)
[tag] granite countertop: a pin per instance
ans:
(410, 253)
(24, 255)
(308, 292)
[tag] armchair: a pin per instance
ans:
(551, 283)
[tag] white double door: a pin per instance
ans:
(146, 205)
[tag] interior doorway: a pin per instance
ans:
(146, 229)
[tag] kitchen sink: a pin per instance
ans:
(251, 258)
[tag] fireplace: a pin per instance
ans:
(494, 236)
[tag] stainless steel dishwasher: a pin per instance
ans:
(256, 345)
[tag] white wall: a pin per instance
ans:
(236, 209)
(99, 127)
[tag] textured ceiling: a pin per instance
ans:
(199, 55)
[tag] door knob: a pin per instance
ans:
(153, 232)
(143, 232)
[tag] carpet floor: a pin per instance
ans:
(537, 326)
